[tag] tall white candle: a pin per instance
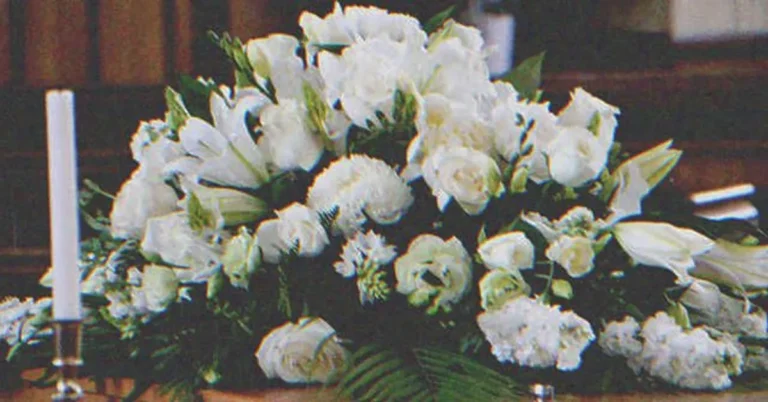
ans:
(62, 196)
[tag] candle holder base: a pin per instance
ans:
(67, 359)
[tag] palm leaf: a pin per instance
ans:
(425, 374)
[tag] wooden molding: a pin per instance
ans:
(131, 42)
(57, 41)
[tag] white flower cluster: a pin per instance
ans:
(685, 358)
(529, 333)
(362, 256)
(21, 320)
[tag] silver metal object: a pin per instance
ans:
(542, 392)
(67, 358)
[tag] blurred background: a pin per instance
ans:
(692, 70)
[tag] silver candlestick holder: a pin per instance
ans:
(67, 358)
(542, 392)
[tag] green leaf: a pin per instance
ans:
(438, 19)
(482, 236)
(199, 217)
(526, 77)
(680, 314)
(379, 374)
(177, 113)
(562, 289)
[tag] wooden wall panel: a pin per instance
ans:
(183, 36)
(56, 43)
(132, 42)
(252, 18)
(5, 41)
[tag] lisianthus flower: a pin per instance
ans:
(585, 111)
(575, 156)
(171, 237)
(287, 136)
(512, 251)
(241, 259)
(446, 261)
(274, 59)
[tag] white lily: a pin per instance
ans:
(732, 264)
(662, 245)
(510, 251)
(226, 150)
(637, 176)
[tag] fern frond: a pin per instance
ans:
(429, 375)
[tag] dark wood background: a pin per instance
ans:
(117, 55)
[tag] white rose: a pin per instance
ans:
(138, 200)
(573, 253)
(576, 156)
(583, 109)
(662, 245)
(469, 176)
(447, 261)
(442, 122)
(305, 352)
(159, 286)
(507, 251)
(295, 226)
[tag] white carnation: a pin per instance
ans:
(526, 332)
(355, 24)
(360, 186)
(621, 338)
(688, 359)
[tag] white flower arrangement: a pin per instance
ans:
(372, 175)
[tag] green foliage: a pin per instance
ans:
(199, 217)
(438, 19)
(244, 75)
(177, 113)
(380, 374)
(526, 77)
